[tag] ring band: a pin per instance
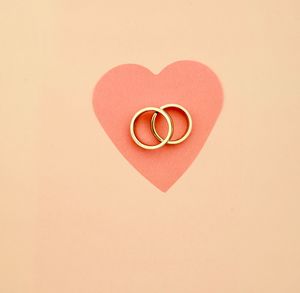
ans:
(187, 133)
(162, 141)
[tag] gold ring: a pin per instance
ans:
(187, 133)
(162, 141)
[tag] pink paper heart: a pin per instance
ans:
(125, 89)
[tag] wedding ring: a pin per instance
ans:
(163, 141)
(189, 121)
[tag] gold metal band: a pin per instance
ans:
(189, 121)
(162, 141)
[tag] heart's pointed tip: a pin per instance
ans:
(163, 188)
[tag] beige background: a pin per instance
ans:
(76, 217)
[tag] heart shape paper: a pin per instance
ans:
(125, 89)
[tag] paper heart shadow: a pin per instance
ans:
(125, 89)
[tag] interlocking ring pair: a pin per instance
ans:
(167, 139)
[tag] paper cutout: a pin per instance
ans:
(125, 89)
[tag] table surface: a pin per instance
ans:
(75, 216)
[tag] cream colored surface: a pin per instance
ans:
(76, 217)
